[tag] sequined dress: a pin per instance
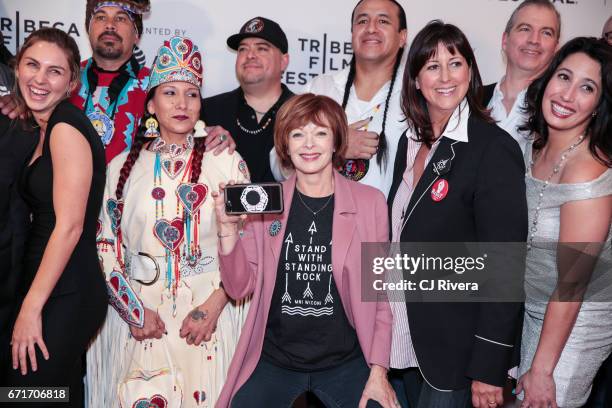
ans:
(590, 341)
(115, 353)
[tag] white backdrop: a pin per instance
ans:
(318, 30)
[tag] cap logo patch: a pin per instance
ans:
(254, 26)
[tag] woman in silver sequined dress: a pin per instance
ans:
(567, 331)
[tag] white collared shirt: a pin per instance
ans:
(333, 85)
(510, 122)
(402, 350)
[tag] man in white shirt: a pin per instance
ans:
(370, 91)
(529, 43)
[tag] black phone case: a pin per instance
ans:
(235, 207)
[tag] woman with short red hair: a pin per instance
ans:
(308, 328)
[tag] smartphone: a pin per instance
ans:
(254, 198)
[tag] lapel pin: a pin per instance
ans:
(275, 228)
(439, 190)
(442, 166)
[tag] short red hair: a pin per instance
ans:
(306, 108)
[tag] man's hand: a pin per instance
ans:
(219, 139)
(9, 107)
(361, 143)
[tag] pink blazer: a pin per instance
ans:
(360, 215)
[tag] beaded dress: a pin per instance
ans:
(590, 341)
(188, 275)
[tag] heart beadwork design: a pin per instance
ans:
(199, 396)
(169, 233)
(173, 167)
(156, 401)
(192, 195)
(114, 209)
(124, 300)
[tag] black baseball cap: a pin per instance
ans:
(263, 28)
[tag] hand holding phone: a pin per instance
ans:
(254, 198)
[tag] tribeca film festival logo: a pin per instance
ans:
(16, 29)
(322, 55)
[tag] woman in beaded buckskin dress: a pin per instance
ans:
(158, 226)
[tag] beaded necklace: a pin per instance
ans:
(256, 131)
(555, 170)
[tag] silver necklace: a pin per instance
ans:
(256, 131)
(555, 170)
(310, 209)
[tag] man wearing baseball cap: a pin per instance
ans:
(248, 112)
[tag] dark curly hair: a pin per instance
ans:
(599, 129)
(139, 142)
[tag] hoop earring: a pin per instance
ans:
(152, 128)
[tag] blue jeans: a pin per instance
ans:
(271, 386)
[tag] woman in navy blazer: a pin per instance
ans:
(458, 178)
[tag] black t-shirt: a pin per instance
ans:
(254, 140)
(307, 327)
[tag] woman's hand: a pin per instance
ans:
(27, 333)
(539, 388)
(153, 328)
(486, 395)
(201, 322)
(378, 389)
(227, 225)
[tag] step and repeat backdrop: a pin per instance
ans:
(318, 30)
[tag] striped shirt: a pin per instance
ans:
(402, 350)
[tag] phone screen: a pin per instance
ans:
(255, 198)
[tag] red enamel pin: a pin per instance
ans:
(439, 190)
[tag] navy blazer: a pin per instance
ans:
(486, 202)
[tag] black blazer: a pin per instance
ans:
(486, 202)
(487, 93)
(16, 146)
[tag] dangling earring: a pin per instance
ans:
(152, 128)
(199, 130)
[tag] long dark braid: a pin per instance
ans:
(131, 158)
(349, 83)
(383, 151)
(196, 159)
